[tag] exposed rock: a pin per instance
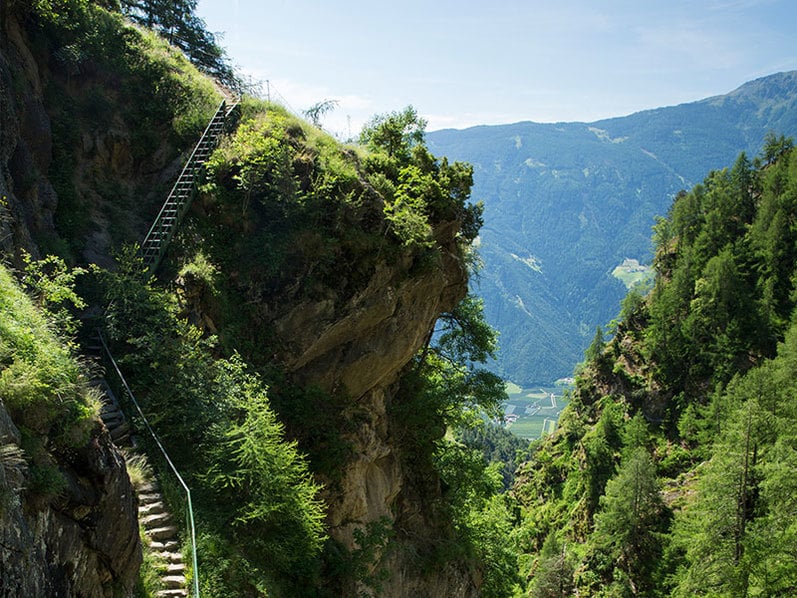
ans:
(360, 349)
(84, 543)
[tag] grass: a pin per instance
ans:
(631, 273)
(42, 386)
(138, 470)
(150, 574)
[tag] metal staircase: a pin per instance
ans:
(179, 200)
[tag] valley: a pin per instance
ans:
(530, 413)
(565, 204)
(529, 359)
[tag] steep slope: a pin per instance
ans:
(281, 349)
(95, 115)
(671, 472)
(68, 511)
(566, 203)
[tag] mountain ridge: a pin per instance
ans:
(576, 199)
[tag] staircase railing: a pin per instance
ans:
(130, 397)
(179, 200)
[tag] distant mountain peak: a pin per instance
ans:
(768, 91)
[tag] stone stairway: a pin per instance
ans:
(160, 533)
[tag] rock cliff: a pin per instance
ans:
(85, 541)
(361, 349)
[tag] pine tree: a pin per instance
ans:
(717, 525)
(627, 526)
(554, 575)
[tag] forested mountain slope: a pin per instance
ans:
(566, 203)
(672, 471)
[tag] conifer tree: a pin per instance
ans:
(627, 526)
(717, 526)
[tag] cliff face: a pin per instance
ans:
(360, 349)
(25, 144)
(85, 540)
(84, 161)
(82, 543)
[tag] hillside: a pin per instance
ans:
(672, 471)
(311, 357)
(566, 203)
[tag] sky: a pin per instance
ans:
(470, 62)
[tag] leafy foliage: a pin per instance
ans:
(42, 385)
(215, 417)
(661, 475)
(498, 445)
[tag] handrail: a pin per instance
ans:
(168, 461)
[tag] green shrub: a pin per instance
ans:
(214, 417)
(40, 381)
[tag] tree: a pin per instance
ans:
(717, 525)
(775, 146)
(596, 347)
(635, 436)
(263, 480)
(554, 575)
(627, 526)
(316, 111)
(395, 133)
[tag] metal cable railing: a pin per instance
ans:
(190, 509)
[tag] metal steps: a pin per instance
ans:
(179, 200)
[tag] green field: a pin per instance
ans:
(631, 273)
(532, 412)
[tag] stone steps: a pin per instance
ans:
(153, 508)
(170, 557)
(155, 520)
(161, 535)
(174, 582)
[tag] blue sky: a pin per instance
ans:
(463, 63)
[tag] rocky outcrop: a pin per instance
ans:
(85, 541)
(355, 346)
(360, 349)
(114, 187)
(20, 93)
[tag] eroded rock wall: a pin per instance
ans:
(361, 349)
(84, 542)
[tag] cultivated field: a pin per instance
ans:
(532, 412)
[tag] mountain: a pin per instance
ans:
(672, 470)
(567, 203)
